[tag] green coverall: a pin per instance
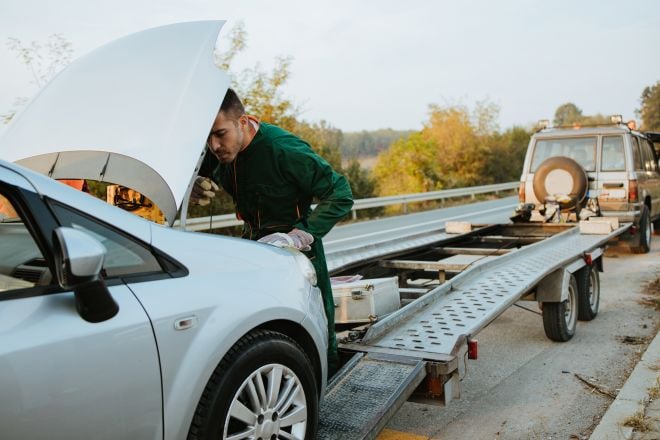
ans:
(273, 181)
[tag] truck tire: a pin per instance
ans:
(560, 318)
(656, 226)
(645, 233)
(561, 175)
(588, 283)
(264, 388)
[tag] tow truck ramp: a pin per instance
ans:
(420, 351)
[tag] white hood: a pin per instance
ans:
(135, 112)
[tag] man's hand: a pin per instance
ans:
(296, 238)
(203, 191)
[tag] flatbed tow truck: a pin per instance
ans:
(452, 286)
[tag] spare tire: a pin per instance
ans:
(561, 175)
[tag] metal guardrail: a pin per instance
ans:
(228, 220)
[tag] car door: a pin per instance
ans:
(62, 377)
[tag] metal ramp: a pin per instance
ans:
(436, 323)
(365, 393)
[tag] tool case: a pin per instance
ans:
(365, 300)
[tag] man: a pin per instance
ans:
(272, 176)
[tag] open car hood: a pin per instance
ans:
(135, 112)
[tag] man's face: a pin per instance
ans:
(227, 137)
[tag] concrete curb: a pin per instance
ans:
(632, 398)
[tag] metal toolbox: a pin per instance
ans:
(365, 300)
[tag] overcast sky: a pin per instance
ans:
(366, 64)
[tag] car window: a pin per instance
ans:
(637, 157)
(124, 256)
(580, 149)
(22, 264)
(613, 157)
(648, 156)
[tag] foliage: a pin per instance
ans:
(457, 147)
(42, 59)
(567, 114)
(506, 155)
(362, 184)
(650, 110)
(570, 114)
(370, 143)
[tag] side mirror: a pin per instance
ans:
(78, 263)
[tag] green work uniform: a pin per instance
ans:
(273, 181)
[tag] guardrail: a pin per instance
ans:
(228, 220)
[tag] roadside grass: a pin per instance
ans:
(638, 422)
(652, 298)
(654, 391)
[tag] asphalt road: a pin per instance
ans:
(524, 386)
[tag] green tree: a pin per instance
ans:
(506, 155)
(650, 110)
(567, 114)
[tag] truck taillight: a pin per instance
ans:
(632, 191)
(521, 192)
(473, 349)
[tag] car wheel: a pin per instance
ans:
(264, 388)
(644, 244)
(588, 283)
(560, 175)
(560, 318)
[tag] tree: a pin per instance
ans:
(567, 114)
(506, 155)
(42, 59)
(650, 110)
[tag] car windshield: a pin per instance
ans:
(580, 149)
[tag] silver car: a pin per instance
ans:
(612, 168)
(116, 327)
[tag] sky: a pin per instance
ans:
(365, 64)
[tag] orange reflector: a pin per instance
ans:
(521, 192)
(588, 259)
(473, 349)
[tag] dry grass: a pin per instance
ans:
(654, 391)
(653, 295)
(638, 422)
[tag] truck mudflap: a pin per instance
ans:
(365, 393)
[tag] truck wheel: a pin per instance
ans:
(560, 318)
(264, 388)
(588, 292)
(644, 245)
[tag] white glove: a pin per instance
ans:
(203, 191)
(296, 238)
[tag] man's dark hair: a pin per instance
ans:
(232, 105)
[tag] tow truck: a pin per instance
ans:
(452, 284)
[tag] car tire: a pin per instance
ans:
(560, 318)
(264, 386)
(588, 282)
(645, 233)
(550, 178)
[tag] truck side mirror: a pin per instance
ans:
(78, 263)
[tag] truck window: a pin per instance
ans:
(580, 149)
(647, 155)
(613, 158)
(637, 157)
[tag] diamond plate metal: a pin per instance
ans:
(468, 302)
(359, 404)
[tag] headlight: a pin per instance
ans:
(305, 266)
